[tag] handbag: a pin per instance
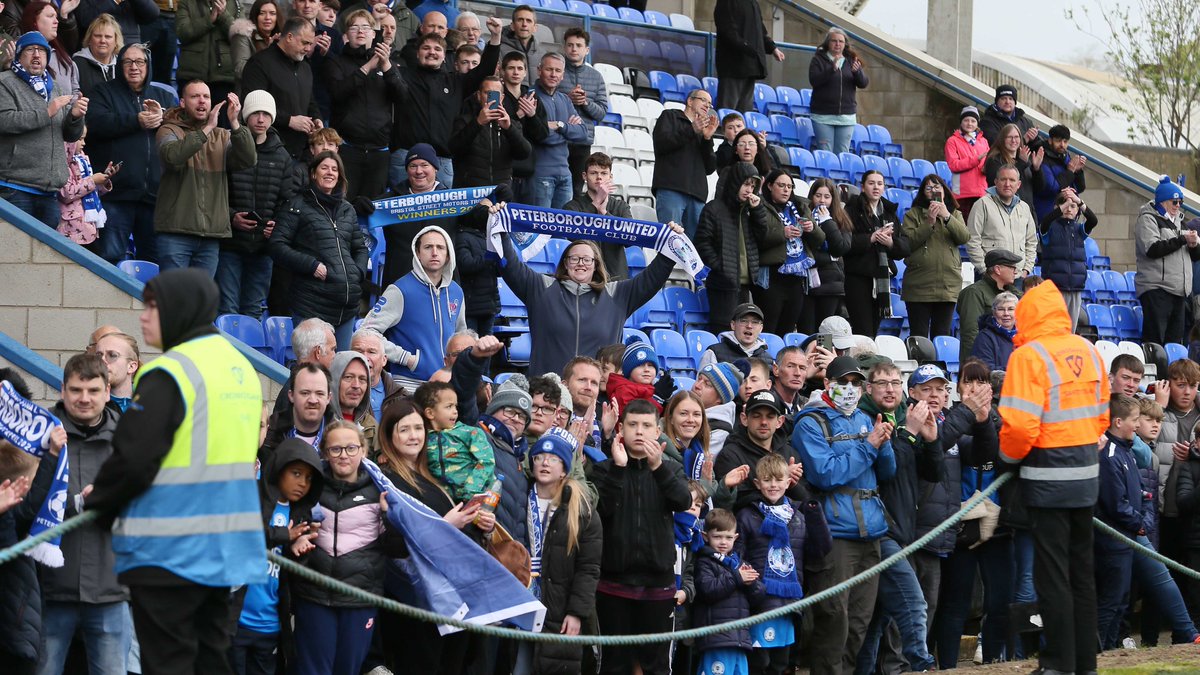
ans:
(979, 524)
(511, 553)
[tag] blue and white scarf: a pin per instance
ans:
(693, 459)
(538, 524)
(798, 262)
(43, 84)
(732, 561)
(93, 210)
(779, 577)
(532, 227)
(28, 426)
(447, 573)
(426, 206)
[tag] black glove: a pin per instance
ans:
(664, 388)
(362, 206)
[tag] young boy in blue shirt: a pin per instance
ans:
(289, 487)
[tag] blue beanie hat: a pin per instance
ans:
(725, 378)
(557, 442)
(1166, 191)
(423, 151)
(31, 39)
(637, 353)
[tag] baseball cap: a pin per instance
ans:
(766, 398)
(927, 373)
(839, 328)
(748, 308)
(843, 366)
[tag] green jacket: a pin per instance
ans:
(193, 196)
(973, 302)
(205, 50)
(867, 405)
(934, 272)
(462, 460)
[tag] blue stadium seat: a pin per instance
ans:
(278, 332)
(519, 349)
(672, 352)
(832, 165)
(943, 170)
(142, 270)
(605, 11)
(1115, 282)
(861, 143)
(1175, 352)
(853, 164)
(947, 352)
(650, 54)
(760, 122)
(1095, 290)
(902, 173)
(1126, 323)
(682, 21)
(881, 135)
(630, 14)
(877, 163)
(697, 58)
(1131, 280)
(558, 5)
(635, 259)
(722, 112)
(513, 311)
(247, 329)
(664, 82)
(554, 249)
(710, 85)
(805, 131)
(922, 168)
(1100, 317)
(686, 305)
(501, 378)
(1090, 248)
(802, 159)
(580, 7)
(774, 343)
(792, 99)
(684, 383)
(698, 342)
(170, 92)
(630, 334)
(894, 324)
(1138, 315)
(794, 339)
(676, 56)
(613, 120)
(656, 18)
(620, 44)
(654, 314)
(903, 200)
(764, 95)
(785, 126)
(687, 83)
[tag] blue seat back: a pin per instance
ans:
(763, 94)
(245, 328)
(142, 270)
(656, 18)
(579, 7)
(922, 168)
(1175, 352)
(630, 14)
(801, 158)
(774, 343)
(605, 11)
(278, 332)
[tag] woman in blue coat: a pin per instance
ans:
(994, 344)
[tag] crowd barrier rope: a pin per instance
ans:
(9, 554)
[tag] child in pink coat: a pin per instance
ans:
(81, 213)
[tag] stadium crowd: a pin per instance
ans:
(626, 503)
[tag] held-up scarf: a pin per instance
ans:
(93, 210)
(687, 536)
(43, 84)
(532, 227)
(427, 205)
(28, 426)
(779, 577)
(798, 262)
(539, 523)
(693, 459)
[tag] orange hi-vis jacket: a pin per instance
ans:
(1054, 405)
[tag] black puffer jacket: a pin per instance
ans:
(916, 464)
(723, 222)
(484, 155)
(830, 266)
(834, 90)
(1187, 497)
(477, 271)
(317, 228)
(568, 583)
(264, 188)
(861, 259)
(350, 547)
(965, 442)
(721, 597)
(21, 601)
(431, 99)
(362, 104)
(739, 449)
(637, 508)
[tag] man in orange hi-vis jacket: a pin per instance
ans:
(1055, 407)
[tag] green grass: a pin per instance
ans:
(1153, 669)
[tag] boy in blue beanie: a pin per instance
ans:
(639, 370)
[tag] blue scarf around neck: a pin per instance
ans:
(798, 262)
(779, 577)
(43, 84)
(693, 459)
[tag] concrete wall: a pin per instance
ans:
(52, 304)
(43, 394)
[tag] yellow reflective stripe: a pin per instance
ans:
(188, 525)
(1083, 413)
(1059, 473)
(217, 473)
(199, 407)
(1022, 405)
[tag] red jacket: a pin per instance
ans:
(621, 391)
(966, 165)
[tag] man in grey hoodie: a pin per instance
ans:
(351, 400)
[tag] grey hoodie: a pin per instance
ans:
(337, 368)
(1164, 261)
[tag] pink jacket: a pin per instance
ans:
(70, 202)
(968, 180)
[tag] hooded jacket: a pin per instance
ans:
(993, 225)
(314, 229)
(265, 188)
(417, 317)
(92, 73)
(114, 135)
(194, 199)
(204, 46)
(1064, 257)
(727, 226)
(362, 412)
(32, 154)
(567, 319)
(398, 238)
(934, 271)
(727, 349)
(1054, 405)
(1164, 261)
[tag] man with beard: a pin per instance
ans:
(282, 71)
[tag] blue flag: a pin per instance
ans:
(531, 227)
(447, 573)
(426, 205)
(27, 426)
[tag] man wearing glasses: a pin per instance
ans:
(1165, 253)
(123, 117)
(1000, 272)
(999, 219)
(352, 398)
(120, 353)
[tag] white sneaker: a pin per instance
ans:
(380, 670)
(978, 658)
(1128, 643)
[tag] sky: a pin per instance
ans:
(1034, 28)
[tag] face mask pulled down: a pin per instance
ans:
(844, 397)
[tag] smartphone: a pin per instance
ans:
(1151, 387)
(118, 165)
(378, 38)
(493, 100)
(825, 341)
(477, 500)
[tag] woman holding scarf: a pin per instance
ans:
(791, 267)
(876, 242)
(687, 434)
(935, 229)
